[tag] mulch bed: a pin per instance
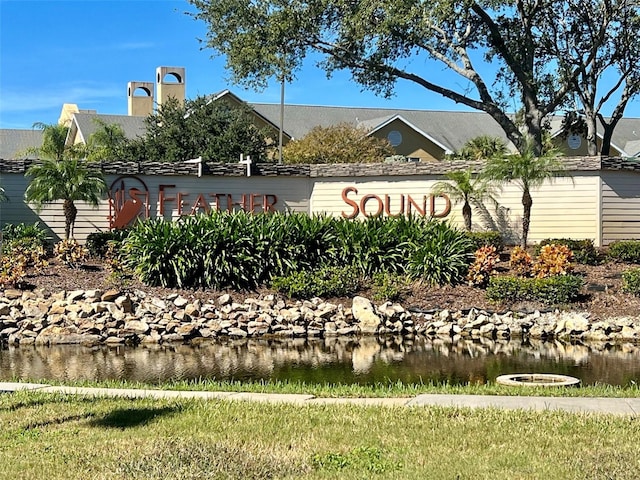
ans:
(602, 295)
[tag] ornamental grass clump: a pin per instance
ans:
(377, 243)
(243, 250)
(442, 256)
(227, 250)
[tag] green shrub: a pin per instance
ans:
(442, 256)
(508, 289)
(98, 242)
(487, 239)
(220, 250)
(556, 290)
(328, 281)
(483, 266)
(631, 281)
(553, 260)
(584, 252)
(23, 235)
(70, 253)
(625, 250)
(388, 287)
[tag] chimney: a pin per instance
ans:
(170, 82)
(140, 98)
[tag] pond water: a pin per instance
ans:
(363, 361)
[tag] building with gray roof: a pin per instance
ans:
(15, 143)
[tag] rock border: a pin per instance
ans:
(114, 317)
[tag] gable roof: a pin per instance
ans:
(83, 124)
(400, 118)
(273, 123)
(626, 136)
(625, 139)
(449, 129)
(632, 148)
(15, 142)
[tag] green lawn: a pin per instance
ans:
(45, 436)
(397, 389)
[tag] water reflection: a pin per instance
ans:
(331, 360)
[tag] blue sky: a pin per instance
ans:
(85, 51)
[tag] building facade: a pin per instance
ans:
(598, 199)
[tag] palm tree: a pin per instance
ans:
(107, 142)
(481, 148)
(54, 142)
(464, 187)
(527, 171)
(66, 179)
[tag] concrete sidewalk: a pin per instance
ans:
(615, 406)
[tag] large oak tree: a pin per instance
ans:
(610, 78)
(499, 49)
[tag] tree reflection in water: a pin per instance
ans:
(366, 360)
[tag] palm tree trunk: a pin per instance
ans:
(526, 217)
(466, 214)
(70, 213)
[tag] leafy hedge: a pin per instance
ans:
(328, 281)
(625, 250)
(25, 236)
(98, 242)
(631, 281)
(487, 239)
(242, 250)
(584, 251)
(554, 290)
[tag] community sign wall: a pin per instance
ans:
(596, 199)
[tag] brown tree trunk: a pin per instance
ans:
(466, 214)
(526, 217)
(70, 213)
(592, 130)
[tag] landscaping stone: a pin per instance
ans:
(363, 312)
(114, 318)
